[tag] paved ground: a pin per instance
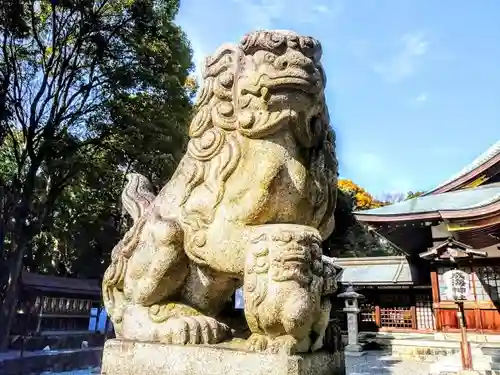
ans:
(377, 364)
(16, 353)
(92, 371)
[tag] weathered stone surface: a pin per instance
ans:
(249, 204)
(132, 358)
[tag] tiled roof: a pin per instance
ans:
(491, 152)
(392, 270)
(453, 200)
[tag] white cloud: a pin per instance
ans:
(251, 15)
(405, 62)
(415, 44)
(416, 101)
(200, 53)
(368, 162)
(359, 48)
(376, 174)
(334, 8)
(398, 185)
(199, 56)
(262, 14)
(320, 8)
(421, 98)
(197, 45)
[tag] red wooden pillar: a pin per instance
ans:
(413, 311)
(465, 349)
(435, 299)
(377, 317)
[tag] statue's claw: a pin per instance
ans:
(194, 330)
(286, 344)
(257, 342)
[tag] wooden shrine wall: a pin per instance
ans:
(482, 309)
(404, 308)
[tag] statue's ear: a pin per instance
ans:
(215, 106)
(224, 65)
(226, 54)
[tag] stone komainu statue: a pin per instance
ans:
(249, 204)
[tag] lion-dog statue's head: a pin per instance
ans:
(272, 81)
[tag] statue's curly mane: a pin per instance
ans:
(213, 152)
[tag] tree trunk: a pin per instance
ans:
(2, 249)
(8, 309)
(21, 239)
(3, 218)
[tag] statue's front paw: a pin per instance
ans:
(286, 344)
(194, 330)
(257, 342)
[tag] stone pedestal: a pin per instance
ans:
(353, 348)
(133, 358)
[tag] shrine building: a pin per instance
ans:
(456, 225)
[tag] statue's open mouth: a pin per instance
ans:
(295, 258)
(292, 254)
(267, 86)
(290, 84)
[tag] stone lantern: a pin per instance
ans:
(351, 308)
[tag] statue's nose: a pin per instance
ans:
(294, 59)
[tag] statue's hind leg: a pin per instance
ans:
(158, 267)
(157, 294)
(190, 319)
(205, 292)
(172, 323)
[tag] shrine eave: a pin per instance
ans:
(463, 204)
(489, 159)
(57, 284)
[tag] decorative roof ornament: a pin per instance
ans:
(451, 250)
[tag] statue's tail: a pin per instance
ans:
(328, 333)
(137, 196)
(332, 273)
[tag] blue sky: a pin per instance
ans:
(413, 85)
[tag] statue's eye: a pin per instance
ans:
(306, 44)
(270, 58)
(310, 48)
